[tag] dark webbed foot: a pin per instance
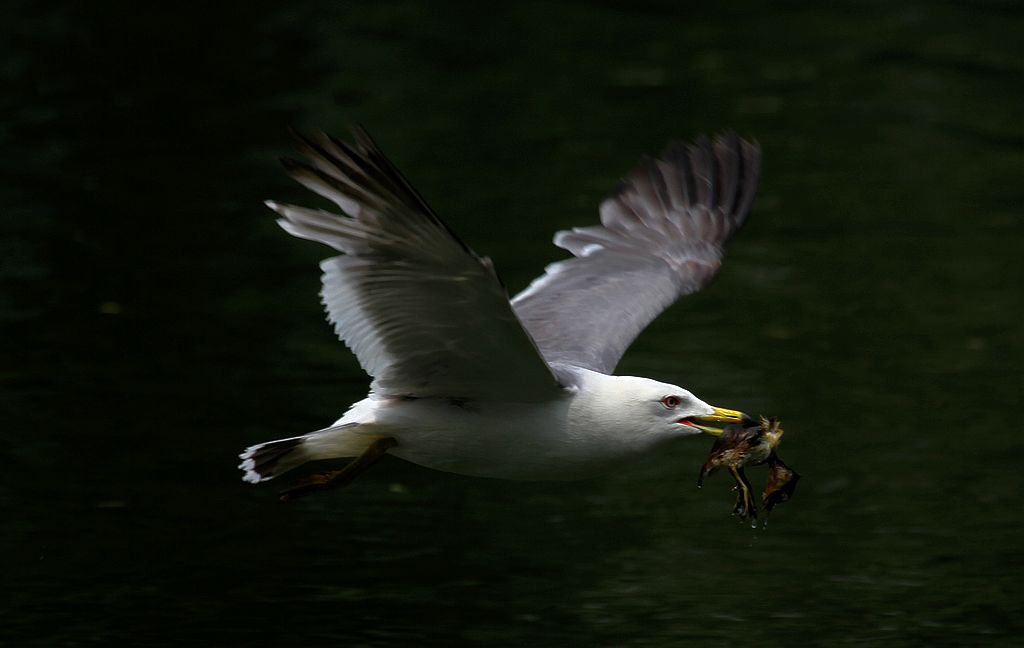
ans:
(343, 477)
(312, 483)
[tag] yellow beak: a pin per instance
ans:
(713, 424)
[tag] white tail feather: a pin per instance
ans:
(265, 461)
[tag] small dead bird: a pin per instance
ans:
(738, 447)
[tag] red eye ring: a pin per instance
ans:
(670, 402)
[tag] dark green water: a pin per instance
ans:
(155, 321)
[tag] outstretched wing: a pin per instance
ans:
(662, 235)
(425, 316)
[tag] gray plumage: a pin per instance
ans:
(662, 235)
(427, 317)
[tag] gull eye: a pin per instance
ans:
(670, 402)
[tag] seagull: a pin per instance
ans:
(468, 381)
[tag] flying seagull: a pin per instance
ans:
(466, 380)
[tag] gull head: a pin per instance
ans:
(660, 408)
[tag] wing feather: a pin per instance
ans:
(425, 316)
(662, 235)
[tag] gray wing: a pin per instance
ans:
(425, 316)
(662, 235)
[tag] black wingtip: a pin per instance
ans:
(295, 134)
(362, 137)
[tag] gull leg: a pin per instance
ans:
(342, 477)
(745, 506)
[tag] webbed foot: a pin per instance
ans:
(340, 478)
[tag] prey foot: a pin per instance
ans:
(745, 505)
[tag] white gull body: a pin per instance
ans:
(466, 380)
(589, 430)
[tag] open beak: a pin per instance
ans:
(714, 423)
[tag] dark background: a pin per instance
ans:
(155, 321)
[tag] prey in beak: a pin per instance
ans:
(715, 423)
(738, 446)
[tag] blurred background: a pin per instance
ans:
(155, 321)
